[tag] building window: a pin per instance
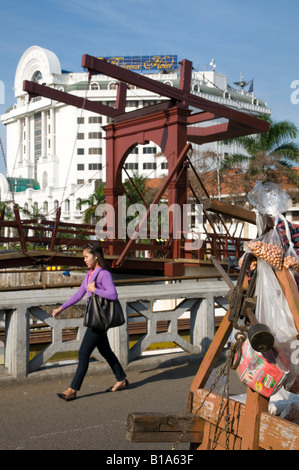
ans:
(80, 135)
(131, 166)
(132, 104)
(150, 102)
(147, 150)
(67, 205)
(94, 86)
(95, 151)
(95, 120)
(80, 167)
(80, 151)
(45, 180)
(80, 120)
(35, 209)
(95, 135)
(37, 135)
(80, 181)
(37, 76)
(95, 166)
(164, 166)
(37, 140)
(149, 166)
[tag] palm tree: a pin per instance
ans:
(6, 210)
(92, 202)
(137, 190)
(270, 155)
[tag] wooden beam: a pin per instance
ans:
(160, 427)
(94, 66)
(278, 434)
(55, 229)
(236, 212)
(20, 227)
(272, 433)
(205, 132)
(34, 89)
(255, 405)
(202, 116)
(290, 290)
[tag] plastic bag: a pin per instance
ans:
(272, 309)
(283, 404)
(269, 198)
(263, 372)
(269, 248)
(252, 266)
(291, 260)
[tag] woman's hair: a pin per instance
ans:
(96, 249)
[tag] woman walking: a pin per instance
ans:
(103, 287)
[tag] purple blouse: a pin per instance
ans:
(104, 287)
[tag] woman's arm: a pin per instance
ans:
(105, 287)
(72, 300)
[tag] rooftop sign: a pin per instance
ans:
(142, 64)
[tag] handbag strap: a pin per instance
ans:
(88, 280)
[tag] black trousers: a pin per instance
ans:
(91, 340)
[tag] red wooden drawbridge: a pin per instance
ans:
(180, 120)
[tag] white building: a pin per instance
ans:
(56, 153)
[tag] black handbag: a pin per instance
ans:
(102, 314)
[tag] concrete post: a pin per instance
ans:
(119, 339)
(17, 342)
(202, 323)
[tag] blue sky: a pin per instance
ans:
(258, 38)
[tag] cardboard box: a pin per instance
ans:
(263, 372)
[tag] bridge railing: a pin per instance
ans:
(155, 303)
(58, 235)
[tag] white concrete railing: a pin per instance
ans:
(196, 298)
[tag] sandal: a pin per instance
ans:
(69, 397)
(124, 384)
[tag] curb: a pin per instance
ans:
(62, 371)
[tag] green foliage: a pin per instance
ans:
(270, 156)
(92, 202)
